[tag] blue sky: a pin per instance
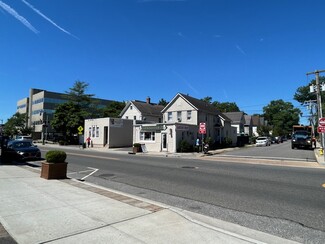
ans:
(245, 51)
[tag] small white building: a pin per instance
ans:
(164, 137)
(109, 132)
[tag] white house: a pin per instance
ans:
(237, 120)
(181, 119)
(248, 127)
(109, 132)
(144, 111)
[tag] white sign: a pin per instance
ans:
(321, 121)
(313, 88)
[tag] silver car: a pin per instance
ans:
(263, 141)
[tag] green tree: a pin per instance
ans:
(77, 94)
(113, 109)
(303, 93)
(67, 118)
(16, 125)
(281, 116)
(264, 130)
(226, 106)
(207, 99)
(162, 102)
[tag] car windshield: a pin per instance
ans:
(22, 144)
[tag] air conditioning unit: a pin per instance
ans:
(179, 120)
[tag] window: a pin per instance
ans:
(189, 115)
(89, 132)
(135, 117)
(93, 134)
(97, 131)
(131, 107)
(169, 116)
(126, 117)
(147, 136)
(179, 116)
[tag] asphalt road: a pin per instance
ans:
(285, 201)
(276, 151)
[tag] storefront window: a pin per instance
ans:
(147, 136)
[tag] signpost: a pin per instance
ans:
(81, 139)
(202, 131)
(202, 128)
(321, 125)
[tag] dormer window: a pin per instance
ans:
(131, 107)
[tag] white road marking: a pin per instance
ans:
(94, 171)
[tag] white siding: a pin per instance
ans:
(181, 105)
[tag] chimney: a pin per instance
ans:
(148, 100)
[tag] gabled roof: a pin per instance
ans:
(248, 119)
(145, 108)
(198, 105)
(256, 120)
(236, 117)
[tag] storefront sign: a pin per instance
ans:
(153, 127)
(182, 127)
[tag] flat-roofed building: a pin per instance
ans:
(40, 107)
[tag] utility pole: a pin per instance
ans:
(319, 101)
(311, 104)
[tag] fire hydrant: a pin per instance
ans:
(321, 152)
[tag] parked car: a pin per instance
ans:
(263, 141)
(25, 138)
(20, 150)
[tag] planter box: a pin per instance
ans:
(136, 149)
(54, 170)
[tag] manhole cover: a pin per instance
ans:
(106, 175)
(189, 167)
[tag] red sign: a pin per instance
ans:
(202, 128)
(321, 129)
(321, 121)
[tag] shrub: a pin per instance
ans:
(55, 156)
(137, 145)
(227, 142)
(184, 146)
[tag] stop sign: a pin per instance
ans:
(202, 128)
(321, 122)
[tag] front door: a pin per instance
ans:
(164, 141)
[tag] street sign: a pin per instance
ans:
(202, 128)
(80, 128)
(321, 121)
(321, 129)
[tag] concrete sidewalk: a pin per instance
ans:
(35, 210)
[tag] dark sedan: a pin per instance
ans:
(20, 150)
